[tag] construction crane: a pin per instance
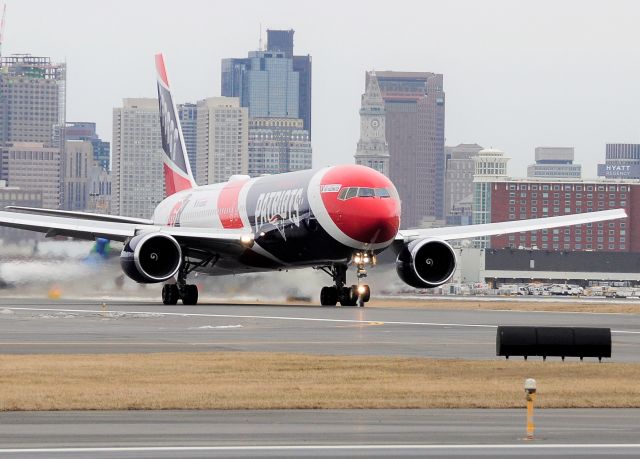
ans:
(4, 14)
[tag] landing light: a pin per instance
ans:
(361, 289)
(247, 240)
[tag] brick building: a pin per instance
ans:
(531, 198)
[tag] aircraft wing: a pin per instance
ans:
(494, 229)
(82, 215)
(90, 228)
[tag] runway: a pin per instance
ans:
(47, 326)
(328, 433)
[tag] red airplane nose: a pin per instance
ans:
(367, 208)
(369, 220)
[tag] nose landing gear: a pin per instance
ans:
(354, 295)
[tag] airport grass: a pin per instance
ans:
(301, 381)
(511, 304)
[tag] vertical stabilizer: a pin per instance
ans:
(177, 171)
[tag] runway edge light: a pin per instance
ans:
(530, 392)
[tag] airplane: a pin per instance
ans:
(330, 219)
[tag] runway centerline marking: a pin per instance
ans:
(516, 446)
(300, 319)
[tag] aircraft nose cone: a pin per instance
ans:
(371, 220)
(378, 228)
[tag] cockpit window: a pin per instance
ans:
(351, 193)
(366, 193)
(363, 192)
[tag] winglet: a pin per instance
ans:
(177, 171)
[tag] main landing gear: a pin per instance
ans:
(188, 293)
(355, 295)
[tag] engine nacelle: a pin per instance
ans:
(426, 263)
(152, 257)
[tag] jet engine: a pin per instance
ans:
(426, 263)
(152, 257)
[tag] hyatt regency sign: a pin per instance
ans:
(619, 171)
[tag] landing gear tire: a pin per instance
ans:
(170, 294)
(349, 296)
(367, 293)
(328, 296)
(190, 295)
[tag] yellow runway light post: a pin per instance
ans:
(530, 391)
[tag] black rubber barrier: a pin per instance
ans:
(553, 342)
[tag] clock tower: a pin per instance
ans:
(373, 150)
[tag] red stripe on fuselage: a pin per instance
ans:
(174, 182)
(228, 204)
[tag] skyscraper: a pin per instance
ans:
(86, 130)
(458, 196)
(237, 81)
(414, 113)
(282, 40)
(137, 185)
(622, 161)
(31, 166)
(33, 99)
(188, 114)
(77, 162)
(490, 167)
(269, 85)
(273, 84)
(278, 145)
(373, 150)
(555, 162)
(222, 140)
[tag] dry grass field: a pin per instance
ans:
(519, 304)
(271, 380)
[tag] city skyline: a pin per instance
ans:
(517, 77)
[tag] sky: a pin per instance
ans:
(517, 74)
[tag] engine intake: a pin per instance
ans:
(426, 263)
(152, 257)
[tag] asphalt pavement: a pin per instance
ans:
(319, 433)
(117, 326)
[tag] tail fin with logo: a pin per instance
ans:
(177, 171)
